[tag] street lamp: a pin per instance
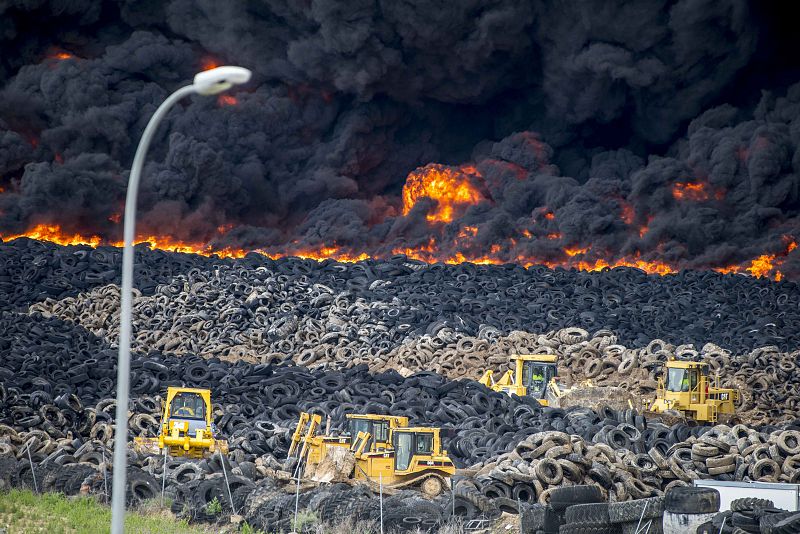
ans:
(208, 82)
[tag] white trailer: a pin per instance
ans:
(786, 496)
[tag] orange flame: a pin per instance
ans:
(451, 188)
(645, 227)
(549, 216)
(467, 232)
(765, 265)
(209, 63)
(61, 56)
(227, 100)
(696, 191)
(652, 267)
(627, 213)
(574, 251)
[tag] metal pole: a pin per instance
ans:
(105, 473)
(33, 471)
(227, 484)
(119, 485)
(296, 502)
(380, 475)
(164, 475)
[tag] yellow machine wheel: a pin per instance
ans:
(432, 486)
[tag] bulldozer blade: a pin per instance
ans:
(666, 418)
(146, 445)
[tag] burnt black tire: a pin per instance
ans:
(532, 517)
(142, 486)
(707, 528)
(561, 498)
(788, 525)
(745, 521)
(691, 500)
(768, 521)
(590, 514)
(750, 503)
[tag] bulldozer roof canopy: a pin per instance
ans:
(172, 390)
(375, 417)
(680, 364)
(544, 358)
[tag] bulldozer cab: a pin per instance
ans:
(682, 380)
(686, 387)
(418, 449)
(186, 426)
(377, 426)
(187, 409)
(533, 372)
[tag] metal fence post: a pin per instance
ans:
(33, 471)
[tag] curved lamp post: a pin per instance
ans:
(208, 82)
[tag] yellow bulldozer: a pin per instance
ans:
(187, 427)
(687, 391)
(534, 375)
(383, 448)
(313, 448)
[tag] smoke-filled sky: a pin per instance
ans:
(667, 131)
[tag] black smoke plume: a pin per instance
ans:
(667, 131)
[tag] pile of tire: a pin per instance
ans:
(366, 309)
(752, 515)
(582, 509)
(764, 376)
(646, 466)
(355, 507)
(186, 317)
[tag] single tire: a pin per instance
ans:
(561, 498)
(750, 503)
(691, 500)
(595, 514)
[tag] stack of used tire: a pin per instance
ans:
(687, 508)
(333, 304)
(270, 509)
(549, 518)
(206, 315)
(582, 510)
(639, 515)
(752, 515)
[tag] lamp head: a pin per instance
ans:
(211, 82)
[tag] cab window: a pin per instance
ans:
(188, 405)
(693, 379)
(424, 444)
(403, 443)
(381, 430)
(359, 425)
(677, 380)
(534, 377)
